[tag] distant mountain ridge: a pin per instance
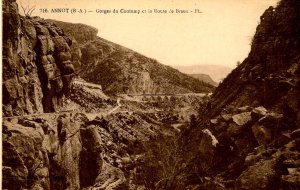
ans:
(121, 70)
(205, 78)
(216, 72)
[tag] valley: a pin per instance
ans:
(81, 112)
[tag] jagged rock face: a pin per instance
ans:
(50, 152)
(37, 63)
(41, 153)
(121, 70)
(80, 34)
(255, 111)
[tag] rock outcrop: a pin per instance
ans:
(79, 34)
(37, 65)
(47, 152)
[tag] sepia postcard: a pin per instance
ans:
(150, 95)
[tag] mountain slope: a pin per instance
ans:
(121, 70)
(253, 116)
(205, 78)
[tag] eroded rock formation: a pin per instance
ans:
(47, 152)
(37, 65)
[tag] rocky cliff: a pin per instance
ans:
(254, 114)
(121, 70)
(37, 65)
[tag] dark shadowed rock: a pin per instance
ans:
(90, 157)
(31, 62)
(259, 176)
(261, 134)
(296, 134)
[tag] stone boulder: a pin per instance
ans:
(259, 176)
(242, 118)
(41, 30)
(45, 44)
(30, 30)
(259, 112)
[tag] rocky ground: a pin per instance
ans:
(85, 145)
(69, 151)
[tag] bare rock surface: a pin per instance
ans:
(36, 64)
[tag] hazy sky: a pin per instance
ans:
(220, 35)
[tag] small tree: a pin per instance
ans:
(28, 11)
(163, 163)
